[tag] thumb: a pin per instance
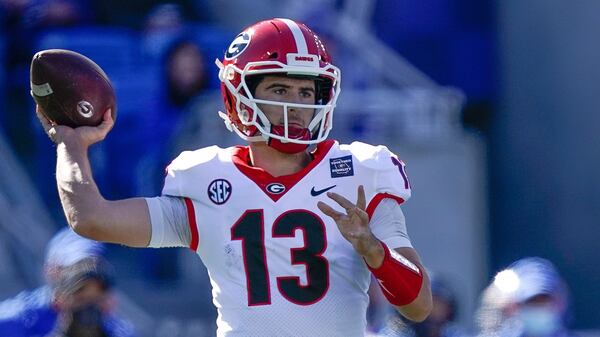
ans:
(107, 121)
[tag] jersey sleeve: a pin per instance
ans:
(390, 178)
(388, 190)
(172, 214)
(169, 220)
(388, 224)
(174, 174)
(188, 167)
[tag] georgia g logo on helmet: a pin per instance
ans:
(238, 45)
(279, 47)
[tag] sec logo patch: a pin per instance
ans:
(219, 191)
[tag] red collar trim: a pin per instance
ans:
(241, 159)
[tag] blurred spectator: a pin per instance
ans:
(76, 299)
(440, 323)
(164, 17)
(161, 26)
(528, 299)
(493, 309)
(186, 73)
(185, 80)
(25, 20)
(133, 13)
(11, 11)
(58, 13)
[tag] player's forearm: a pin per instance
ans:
(403, 281)
(371, 250)
(419, 309)
(79, 195)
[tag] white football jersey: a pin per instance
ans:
(278, 265)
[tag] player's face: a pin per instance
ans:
(91, 291)
(289, 90)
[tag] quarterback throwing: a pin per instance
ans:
(291, 225)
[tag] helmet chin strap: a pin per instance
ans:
(293, 132)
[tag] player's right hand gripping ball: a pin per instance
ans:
(71, 89)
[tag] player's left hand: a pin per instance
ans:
(354, 222)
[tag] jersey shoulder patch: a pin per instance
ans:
(390, 175)
(376, 157)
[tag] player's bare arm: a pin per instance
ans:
(88, 213)
(354, 226)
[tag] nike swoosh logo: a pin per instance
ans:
(314, 192)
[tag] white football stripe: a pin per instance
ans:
(298, 36)
(41, 90)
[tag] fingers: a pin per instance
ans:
(107, 122)
(354, 219)
(345, 203)
(107, 115)
(328, 210)
(43, 119)
(48, 126)
(361, 201)
(359, 213)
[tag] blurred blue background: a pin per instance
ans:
(492, 105)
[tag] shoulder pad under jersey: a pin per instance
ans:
(376, 157)
(190, 166)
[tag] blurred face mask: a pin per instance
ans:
(87, 321)
(539, 321)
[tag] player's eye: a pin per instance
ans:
(306, 94)
(280, 91)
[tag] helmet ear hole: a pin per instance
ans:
(273, 55)
(228, 101)
(324, 90)
(244, 115)
(252, 82)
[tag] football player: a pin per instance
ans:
(291, 225)
(76, 300)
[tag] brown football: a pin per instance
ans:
(71, 89)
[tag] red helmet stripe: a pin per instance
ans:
(301, 45)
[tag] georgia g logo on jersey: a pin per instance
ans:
(219, 191)
(238, 45)
(275, 188)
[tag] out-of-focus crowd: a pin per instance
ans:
(159, 58)
(527, 299)
(156, 58)
(77, 299)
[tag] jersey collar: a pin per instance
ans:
(266, 182)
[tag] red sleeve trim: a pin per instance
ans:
(192, 222)
(378, 198)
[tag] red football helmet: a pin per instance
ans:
(277, 46)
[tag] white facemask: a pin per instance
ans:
(539, 321)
